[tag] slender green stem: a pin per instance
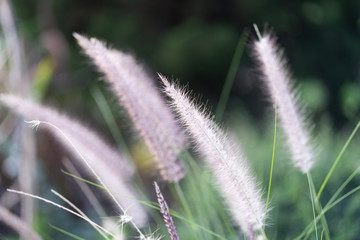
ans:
(177, 191)
(272, 167)
(184, 202)
(331, 203)
(192, 183)
(230, 77)
(319, 209)
(155, 206)
(109, 117)
(69, 234)
(344, 184)
(312, 204)
(92, 170)
(337, 161)
(328, 206)
(342, 198)
(194, 224)
(196, 171)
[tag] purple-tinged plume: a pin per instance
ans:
(226, 160)
(137, 93)
(164, 209)
(277, 79)
(111, 167)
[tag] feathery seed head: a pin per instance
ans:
(164, 209)
(226, 160)
(137, 93)
(111, 167)
(277, 79)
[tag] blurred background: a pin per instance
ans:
(195, 42)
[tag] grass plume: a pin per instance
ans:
(226, 160)
(279, 84)
(164, 209)
(143, 103)
(110, 166)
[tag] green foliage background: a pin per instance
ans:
(195, 40)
